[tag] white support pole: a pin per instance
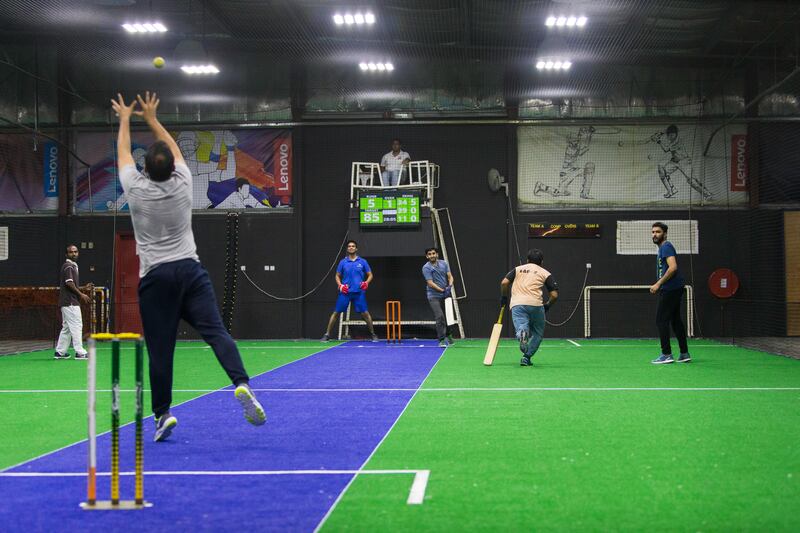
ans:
(91, 386)
(587, 316)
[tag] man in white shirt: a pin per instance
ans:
(173, 285)
(393, 164)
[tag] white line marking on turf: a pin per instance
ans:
(524, 389)
(149, 417)
(367, 460)
(221, 473)
(437, 389)
(417, 494)
(573, 342)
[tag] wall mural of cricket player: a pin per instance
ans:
(675, 161)
(629, 166)
(574, 166)
(231, 169)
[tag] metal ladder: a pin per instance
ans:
(441, 243)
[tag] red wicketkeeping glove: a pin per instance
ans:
(344, 288)
(364, 285)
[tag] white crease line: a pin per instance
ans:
(573, 342)
(445, 389)
(417, 494)
(219, 473)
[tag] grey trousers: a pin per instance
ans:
(442, 329)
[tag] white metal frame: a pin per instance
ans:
(587, 299)
(367, 176)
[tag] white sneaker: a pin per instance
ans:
(164, 426)
(253, 411)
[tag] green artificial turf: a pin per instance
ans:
(592, 437)
(589, 460)
(39, 422)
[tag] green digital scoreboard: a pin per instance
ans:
(389, 209)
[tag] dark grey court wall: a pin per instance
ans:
(304, 243)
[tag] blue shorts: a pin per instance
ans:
(358, 299)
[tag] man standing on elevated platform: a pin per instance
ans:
(353, 277)
(393, 164)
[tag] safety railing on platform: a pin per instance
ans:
(367, 176)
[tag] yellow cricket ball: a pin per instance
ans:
(158, 62)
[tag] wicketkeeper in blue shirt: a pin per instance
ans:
(353, 277)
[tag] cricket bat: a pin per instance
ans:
(497, 330)
(449, 312)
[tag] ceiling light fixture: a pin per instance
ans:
(570, 21)
(359, 19)
(200, 69)
(384, 66)
(147, 27)
(553, 64)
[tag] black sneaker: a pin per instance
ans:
(523, 342)
(450, 340)
(82, 356)
(525, 361)
(61, 355)
(684, 358)
(325, 338)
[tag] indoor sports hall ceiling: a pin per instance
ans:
(482, 52)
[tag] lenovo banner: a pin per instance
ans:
(739, 168)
